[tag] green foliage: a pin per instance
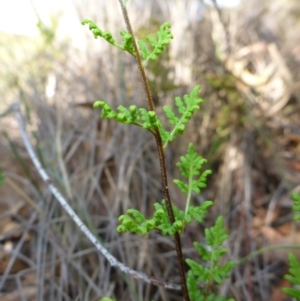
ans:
(164, 36)
(106, 299)
(135, 222)
(148, 119)
(141, 117)
(294, 270)
(126, 37)
(186, 108)
(212, 269)
(158, 71)
(293, 277)
(190, 166)
(296, 206)
(48, 32)
(2, 177)
(163, 39)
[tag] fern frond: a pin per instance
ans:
(190, 166)
(194, 293)
(138, 116)
(186, 108)
(2, 177)
(163, 36)
(127, 42)
(211, 270)
(198, 212)
(217, 234)
(135, 222)
(148, 119)
(126, 37)
(293, 277)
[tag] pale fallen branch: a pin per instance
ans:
(112, 260)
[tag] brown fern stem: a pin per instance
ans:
(162, 158)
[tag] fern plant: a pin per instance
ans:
(2, 177)
(167, 218)
(211, 270)
(190, 166)
(294, 277)
(294, 271)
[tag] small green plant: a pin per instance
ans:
(294, 271)
(163, 39)
(211, 270)
(190, 166)
(2, 177)
(167, 218)
(149, 121)
(293, 277)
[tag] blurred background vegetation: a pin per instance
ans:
(247, 59)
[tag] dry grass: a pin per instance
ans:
(103, 168)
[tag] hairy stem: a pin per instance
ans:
(162, 158)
